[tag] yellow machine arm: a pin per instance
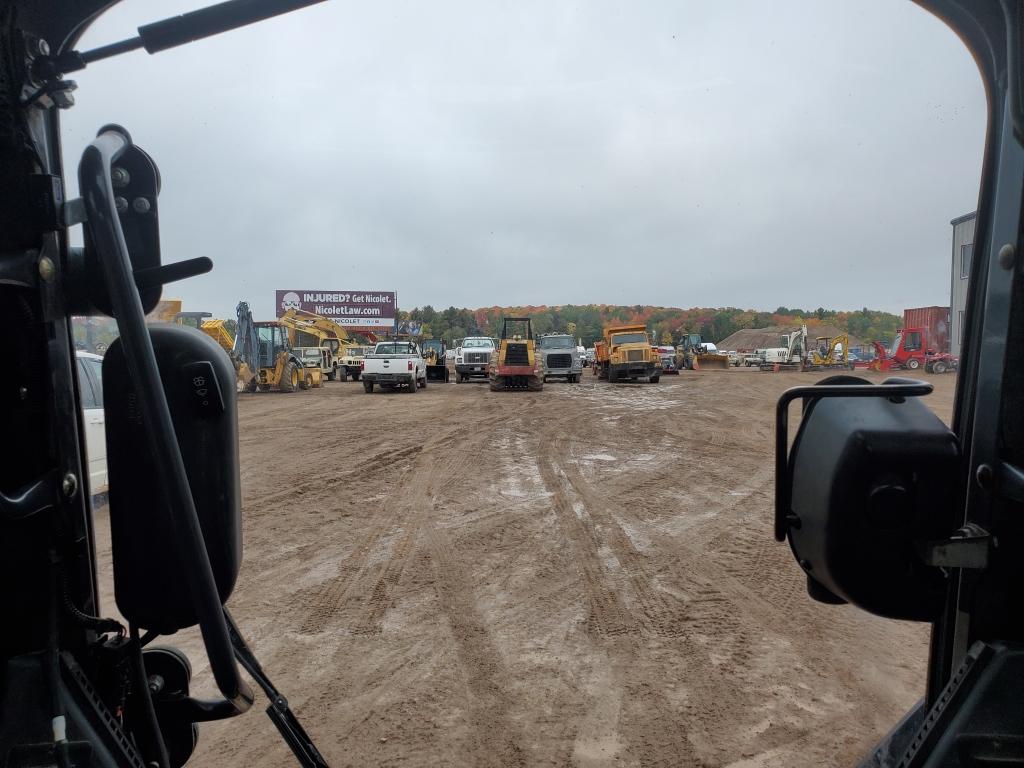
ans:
(321, 327)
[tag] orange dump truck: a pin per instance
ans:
(625, 354)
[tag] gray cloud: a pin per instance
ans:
(733, 153)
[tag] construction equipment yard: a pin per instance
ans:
(580, 576)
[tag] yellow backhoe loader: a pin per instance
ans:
(265, 348)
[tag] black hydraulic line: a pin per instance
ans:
(142, 695)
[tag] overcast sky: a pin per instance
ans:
(477, 153)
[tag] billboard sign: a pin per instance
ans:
(372, 310)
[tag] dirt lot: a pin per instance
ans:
(584, 576)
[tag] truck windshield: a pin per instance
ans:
(477, 343)
(557, 342)
(393, 349)
(629, 338)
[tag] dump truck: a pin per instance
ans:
(625, 354)
(515, 364)
(559, 356)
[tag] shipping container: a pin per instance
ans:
(935, 322)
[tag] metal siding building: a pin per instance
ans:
(963, 252)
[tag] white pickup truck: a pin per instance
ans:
(393, 364)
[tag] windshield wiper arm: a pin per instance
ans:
(175, 31)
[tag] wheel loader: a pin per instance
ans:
(516, 365)
(694, 354)
(437, 365)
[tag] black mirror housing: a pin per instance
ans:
(870, 481)
(199, 382)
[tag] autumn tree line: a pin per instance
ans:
(667, 324)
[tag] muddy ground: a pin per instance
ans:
(583, 576)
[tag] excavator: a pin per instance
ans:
(830, 352)
(515, 365)
(307, 331)
(884, 507)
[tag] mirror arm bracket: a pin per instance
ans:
(969, 547)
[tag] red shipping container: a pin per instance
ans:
(934, 321)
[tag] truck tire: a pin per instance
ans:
(333, 374)
(289, 377)
(423, 383)
(939, 366)
(355, 376)
(367, 387)
(305, 380)
(913, 363)
(343, 375)
(413, 386)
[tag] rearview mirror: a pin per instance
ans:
(199, 382)
(869, 485)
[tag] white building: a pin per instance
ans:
(963, 252)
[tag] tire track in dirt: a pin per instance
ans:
(607, 614)
(392, 460)
(363, 583)
(497, 738)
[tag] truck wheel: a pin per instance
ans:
(367, 387)
(333, 374)
(289, 377)
(413, 386)
(938, 367)
(306, 381)
(423, 383)
(913, 363)
(343, 375)
(355, 375)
